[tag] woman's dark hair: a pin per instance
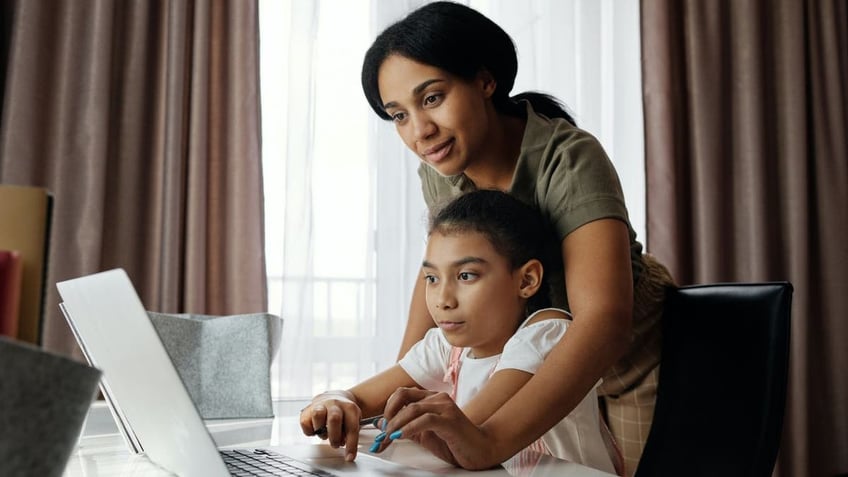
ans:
(516, 230)
(461, 41)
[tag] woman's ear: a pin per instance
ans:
(531, 274)
(487, 82)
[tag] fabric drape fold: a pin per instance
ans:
(142, 119)
(746, 108)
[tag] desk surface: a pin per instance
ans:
(102, 452)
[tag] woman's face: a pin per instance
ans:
(472, 292)
(442, 118)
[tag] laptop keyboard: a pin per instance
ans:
(261, 462)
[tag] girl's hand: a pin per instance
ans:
(434, 421)
(333, 416)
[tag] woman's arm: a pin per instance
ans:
(419, 320)
(497, 391)
(598, 273)
(506, 382)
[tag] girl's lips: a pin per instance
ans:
(439, 152)
(450, 325)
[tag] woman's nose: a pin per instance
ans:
(423, 127)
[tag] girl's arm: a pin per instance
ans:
(419, 319)
(598, 273)
(371, 394)
(340, 411)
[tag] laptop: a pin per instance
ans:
(149, 400)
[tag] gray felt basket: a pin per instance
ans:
(44, 399)
(224, 361)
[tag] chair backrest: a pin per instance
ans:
(722, 382)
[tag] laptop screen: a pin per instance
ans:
(117, 336)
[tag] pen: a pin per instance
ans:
(363, 422)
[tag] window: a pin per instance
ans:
(344, 214)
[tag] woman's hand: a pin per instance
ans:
(333, 416)
(434, 421)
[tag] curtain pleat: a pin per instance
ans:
(746, 109)
(142, 119)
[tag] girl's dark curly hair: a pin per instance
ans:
(516, 230)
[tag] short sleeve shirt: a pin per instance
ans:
(565, 173)
(577, 437)
(428, 360)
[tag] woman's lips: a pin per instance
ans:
(438, 152)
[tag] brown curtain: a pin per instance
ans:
(746, 121)
(142, 119)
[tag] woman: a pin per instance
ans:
(443, 75)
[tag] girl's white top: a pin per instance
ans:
(576, 438)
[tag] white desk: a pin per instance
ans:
(102, 452)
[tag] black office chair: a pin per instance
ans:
(722, 382)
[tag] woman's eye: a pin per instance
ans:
(465, 276)
(429, 278)
(431, 99)
(398, 117)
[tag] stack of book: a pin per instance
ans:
(24, 242)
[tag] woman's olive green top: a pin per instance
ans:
(563, 171)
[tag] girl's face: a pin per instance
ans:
(472, 292)
(440, 117)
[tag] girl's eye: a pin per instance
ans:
(465, 276)
(398, 117)
(430, 278)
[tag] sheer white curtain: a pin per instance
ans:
(344, 215)
(586, 53)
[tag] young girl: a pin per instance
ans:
(485, 288)
(443, 76)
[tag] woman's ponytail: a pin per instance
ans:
(545, 105)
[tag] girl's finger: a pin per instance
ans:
(351, 437)
(318, 419)
(335, 421)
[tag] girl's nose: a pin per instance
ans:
(446, 299)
